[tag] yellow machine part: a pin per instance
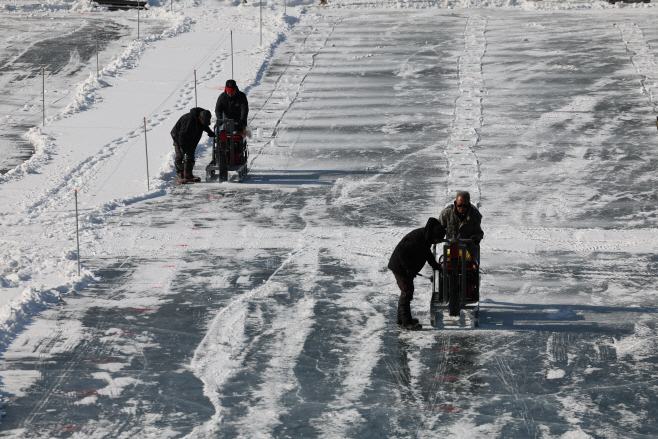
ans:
(468, 255)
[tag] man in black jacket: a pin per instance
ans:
(232, 104)
(186, 134)
(407, 260)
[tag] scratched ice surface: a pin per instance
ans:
(265, 309)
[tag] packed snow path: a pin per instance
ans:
(276, 291)
(460, 150)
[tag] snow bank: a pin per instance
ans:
(23, 266)
(484, 4)
(83, 6)
(43, 150)
(19, 311)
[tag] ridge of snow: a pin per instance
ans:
(18, 311)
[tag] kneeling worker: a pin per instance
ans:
(186, 134)
(407, 260)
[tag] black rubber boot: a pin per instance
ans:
(180, 170)
(400, 312)
(406, 321)
(189, 166)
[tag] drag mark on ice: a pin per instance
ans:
(222, 351)
(505, 374)
(642, 59)
(463, 163)
(279, 377)
(289, 85)
(365, 352)
(438, 397)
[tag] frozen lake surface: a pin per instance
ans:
(265, 309)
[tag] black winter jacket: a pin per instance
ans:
(236, 108)
(188, 130)
(414, 250)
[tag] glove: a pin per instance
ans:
(211, 134)
(432, 279)
(475, 239)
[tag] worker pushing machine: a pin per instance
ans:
(186, 134)
(408, 258)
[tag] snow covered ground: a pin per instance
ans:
(264, 308)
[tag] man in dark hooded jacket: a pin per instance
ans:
(233, 104)
(186, 134)
(408, 258)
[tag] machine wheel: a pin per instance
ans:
(436, 319)
(223, 167)
(453, 285)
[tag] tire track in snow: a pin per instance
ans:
(279, 378)
(463, 163)
(365, 352)
(286, 91)
(223, 350)
(642, 59)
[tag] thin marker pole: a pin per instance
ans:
(232, 74)
(284, 7)
(261, 22)
(43, 94)
(138, 8)
(77, 232)
(146, 148)
(98, 74)
(196, 104)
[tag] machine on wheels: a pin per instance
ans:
(456, 286)
(229, 153)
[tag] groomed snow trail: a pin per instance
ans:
(643, 58)
(460, 151)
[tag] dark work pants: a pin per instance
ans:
(406, 285)
(180, 155)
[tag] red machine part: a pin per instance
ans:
(453, 263)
